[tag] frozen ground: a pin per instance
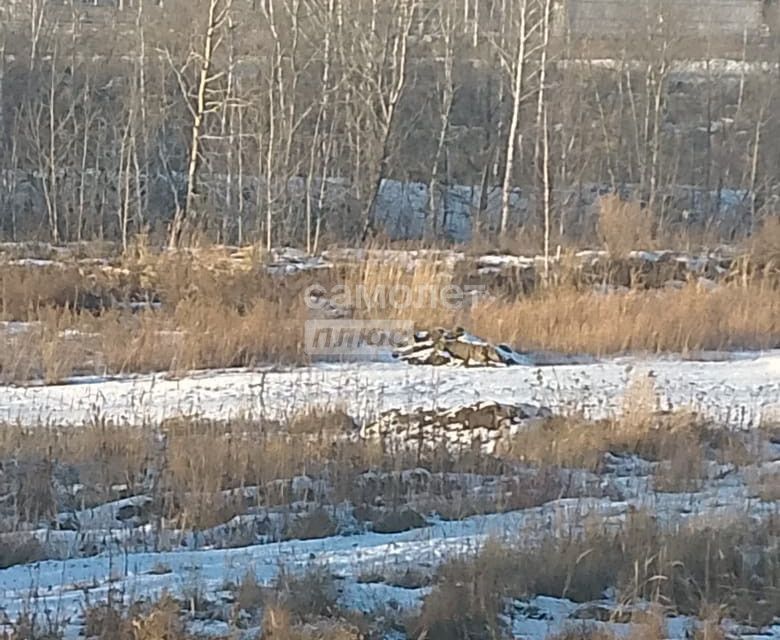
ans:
(62, 588)
(740, 391)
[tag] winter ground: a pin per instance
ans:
(735, 390)
(740, 390)
(63, 588)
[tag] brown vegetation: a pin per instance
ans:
(712, 569)
(161, 620)
(680, 441)
(200, 474)
(683, 320)
(189, 311)
(685, 572)
(624, 226)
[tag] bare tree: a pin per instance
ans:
(446, 95)
(37, 12)
(517, 68)
(319, 146)
(542, 151)
(287, 120)
(388, 91)
(218, 12)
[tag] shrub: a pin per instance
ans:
(19, 548)
(623, 225)
(305, 596)
(398, 521)
(311, 525)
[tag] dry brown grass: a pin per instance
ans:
(572, 319)
(196, 474)
(278, 625)
(212, 316)
(315, 618)
(197, 467)
(47, 350)
(306, 596)
(765, 484)
(385, 281)
(681, 442)
(765, 243)
(316, 420)
(197, 470)
(684, 320)
(249, 593)
(218, 312)
(161, 620)
(409, 578)
(685, 571)
(589, 631)
(104, 454)
(195, 335)
(468, 597)
(624, 225)
(526, 240)
(519, 492)
(576, 443)
(652, 629)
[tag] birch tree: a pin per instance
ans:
(517, 69)
(542, 151)
(217, 15)
(388, 86)
(446, 94)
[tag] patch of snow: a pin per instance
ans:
(504, 260)
(14, 328)
(64, 586)
(739, 392)
(35, 262)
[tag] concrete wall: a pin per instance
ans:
(675, 17)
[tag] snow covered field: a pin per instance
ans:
(736, 390)
(739, 391)
(63, 588)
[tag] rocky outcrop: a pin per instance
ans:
(482, 426)
(457, 348)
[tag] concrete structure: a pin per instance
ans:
(679, 17)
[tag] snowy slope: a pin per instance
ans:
(739, 391)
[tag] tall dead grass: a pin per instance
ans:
(569, 319)
(412, 291)
(188, 311)
(194, 335)
(623, 225)
(670, 320)
(573, 443)
(765, 243)
(169, 313)
(731, 570)
(194, 470)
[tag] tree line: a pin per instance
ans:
(279, 121)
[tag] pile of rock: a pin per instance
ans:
(457, 348)
(479, 426)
